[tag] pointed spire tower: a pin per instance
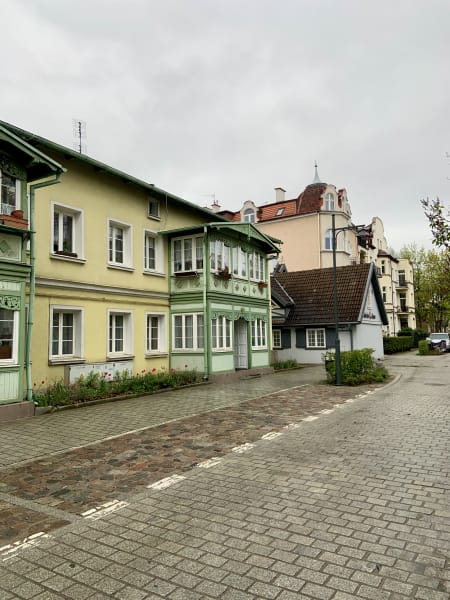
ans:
(316, 174)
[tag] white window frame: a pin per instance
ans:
(221, 334)
(256, 266)
(15, 341)
(57, 246)
(6, 209)
(259, 334)
(220, 256)
(158, 250)
(249, 215)
(198, 324)
(197, 258)
(330, 201)
(276, 338)
(153, 209)
(240, 262)
(316, 338)
(127, 232)
(161, 337)
(127, 347)
(328, 240)
(78, 332)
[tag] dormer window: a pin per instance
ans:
(249, 215)
(329, 202)
(9, 193)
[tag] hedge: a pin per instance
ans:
(391, 345)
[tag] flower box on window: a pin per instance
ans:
(223, 273)
(262, 284)
(186, 274)
(65, 253)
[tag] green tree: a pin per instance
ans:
(431, 286)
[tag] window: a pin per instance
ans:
(384, 293)
(67, 231)
(280, 211)
(276, 338)
(119, 333)
(239, 262)
(153, 208)
(383, 267)
(221, 333)
(153, 252)
(249, 215)
(66, 332)
(155, 333)
(315, 338)
(188, 332)
(256, 266)
(187, 254)
(329, 202)
(8, 335)
(10, 195)
(259, 334)
(329, 239)
(119, 244)
(220, 255)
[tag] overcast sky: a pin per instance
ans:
(237, 97)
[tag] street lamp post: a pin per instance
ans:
(361, 233)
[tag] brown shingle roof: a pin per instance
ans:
(310, 200)
(312, 293)
(268, 212)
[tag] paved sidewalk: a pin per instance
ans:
(32, 438)
(352, 502)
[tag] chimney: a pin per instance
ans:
(215, 206)
(279, 194)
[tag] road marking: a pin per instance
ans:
(105, 509)
(326, 411)
(271, 435)
(292, 426)
(211, 462)
(166, 482)
(242, 448)
(10, 551)
(310, 418)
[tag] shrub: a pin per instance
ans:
(290, 363)
(397, 344)
(98, 386)
(357, 367)
(423, 348)
(417, 335)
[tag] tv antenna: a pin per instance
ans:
(79, 135)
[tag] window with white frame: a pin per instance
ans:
(259, 334)
(256, 266)
(249, 215)
(221, 333)
(153, 252)
(329, 239)
(66, 335)
(239, 262)
(155, 333)
(315, 338)
(120, 333)
(119, 244)
(220, 255)
(276, 338)
(329, 201)
(10, 193)
(188, 331)
(9, 320)
(187, 254)
(67, 236)
(153, 208)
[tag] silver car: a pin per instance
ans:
(439, 340)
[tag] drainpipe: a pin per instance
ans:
(206, 319)
(33, 187)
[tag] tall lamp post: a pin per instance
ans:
(361, 234)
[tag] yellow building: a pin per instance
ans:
(101, 299)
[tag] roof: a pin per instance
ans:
(37, 164)
(313, 294)
(34, 140)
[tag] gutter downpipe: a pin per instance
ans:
(206, 320)
(33, 187)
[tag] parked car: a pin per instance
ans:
(439, 340)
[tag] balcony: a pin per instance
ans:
(402, 283)
(12, 217)
(402, 308)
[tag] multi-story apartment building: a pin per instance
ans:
(304, 225)
(100, 296)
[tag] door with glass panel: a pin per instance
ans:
(240, 344)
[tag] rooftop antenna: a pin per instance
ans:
(79, 135)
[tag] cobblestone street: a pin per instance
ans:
(305, 491)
